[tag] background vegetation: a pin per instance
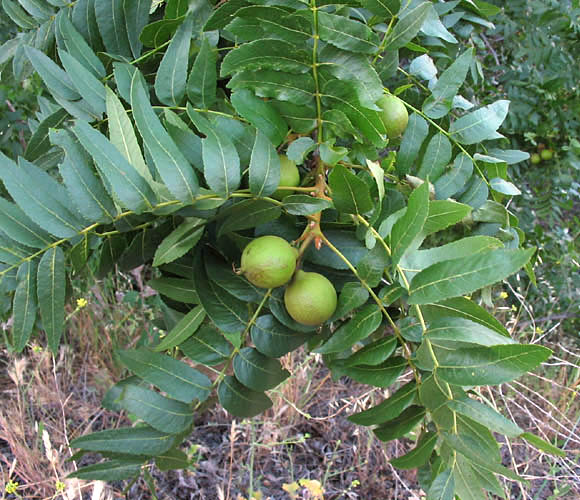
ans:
(527, 56)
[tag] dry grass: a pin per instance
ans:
(47, 401)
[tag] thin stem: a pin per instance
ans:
(204, 110)
(94, 226)
(448, 135)
(379, 302)
(420, 316)
(316, 37)
(407, 286)
(236, 350)
(384, 40)
(143, 57)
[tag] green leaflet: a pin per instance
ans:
(352, 296)
(417, 260)
(408, 26)
(297, 89)
(382, 375)
(27, 186)
(39, 142)
(85, 21)
(20, 228)
(444, 213)
(382, 8)
(467, 482)
(270, 22)
(273, 338)
(57, 81)
(181, 290)
(110, 470)
(161, 413)
(418, 455)
(258, 372)
(266, 53)
(442, 487)
(202, 81)
(299, 148)
(439, 103)
(136, 17)
(185, 139)
(241, 401)
(132, 441)
(157, 33)
(415, 133)
(454, 179)
(221, 273)
(445, 330)
(469, 448)
(485, 415)
(303, 204)
(11, 252)
(51, 287)
(229, 314)
(489, 364)
(172, 166)
(113, 26)
(481, 124)
(343, 96)
(347, 34)
(24, 305)
(401, 425)
(142, 248)
(350, 194)
(366, 321)
(476, 193)
(435, 159)
(247, 214)
(18, 15)
(183, 330)
(224, 14)
(260, 114)
(171, 460)
(389, 409)
(373, 353)
(457, 277)
(174, 377)
(88, 85)
(221, 162)
(543, 445)
(264, 166)
(207, 346)
(181, 240)
(124, 179)
(171, 76)
(408, 227)
(463, 308)
(122, 135)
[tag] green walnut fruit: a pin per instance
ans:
(394, 115)
(535, 158)
(268, 262)
(310, 298)
(289, 176)
(546, 154)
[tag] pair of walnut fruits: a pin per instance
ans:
(270, 262)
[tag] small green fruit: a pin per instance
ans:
(546, 154)
(535, 158)
(310, 298)
(289, 176)
(394, 115)
(268, 262)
